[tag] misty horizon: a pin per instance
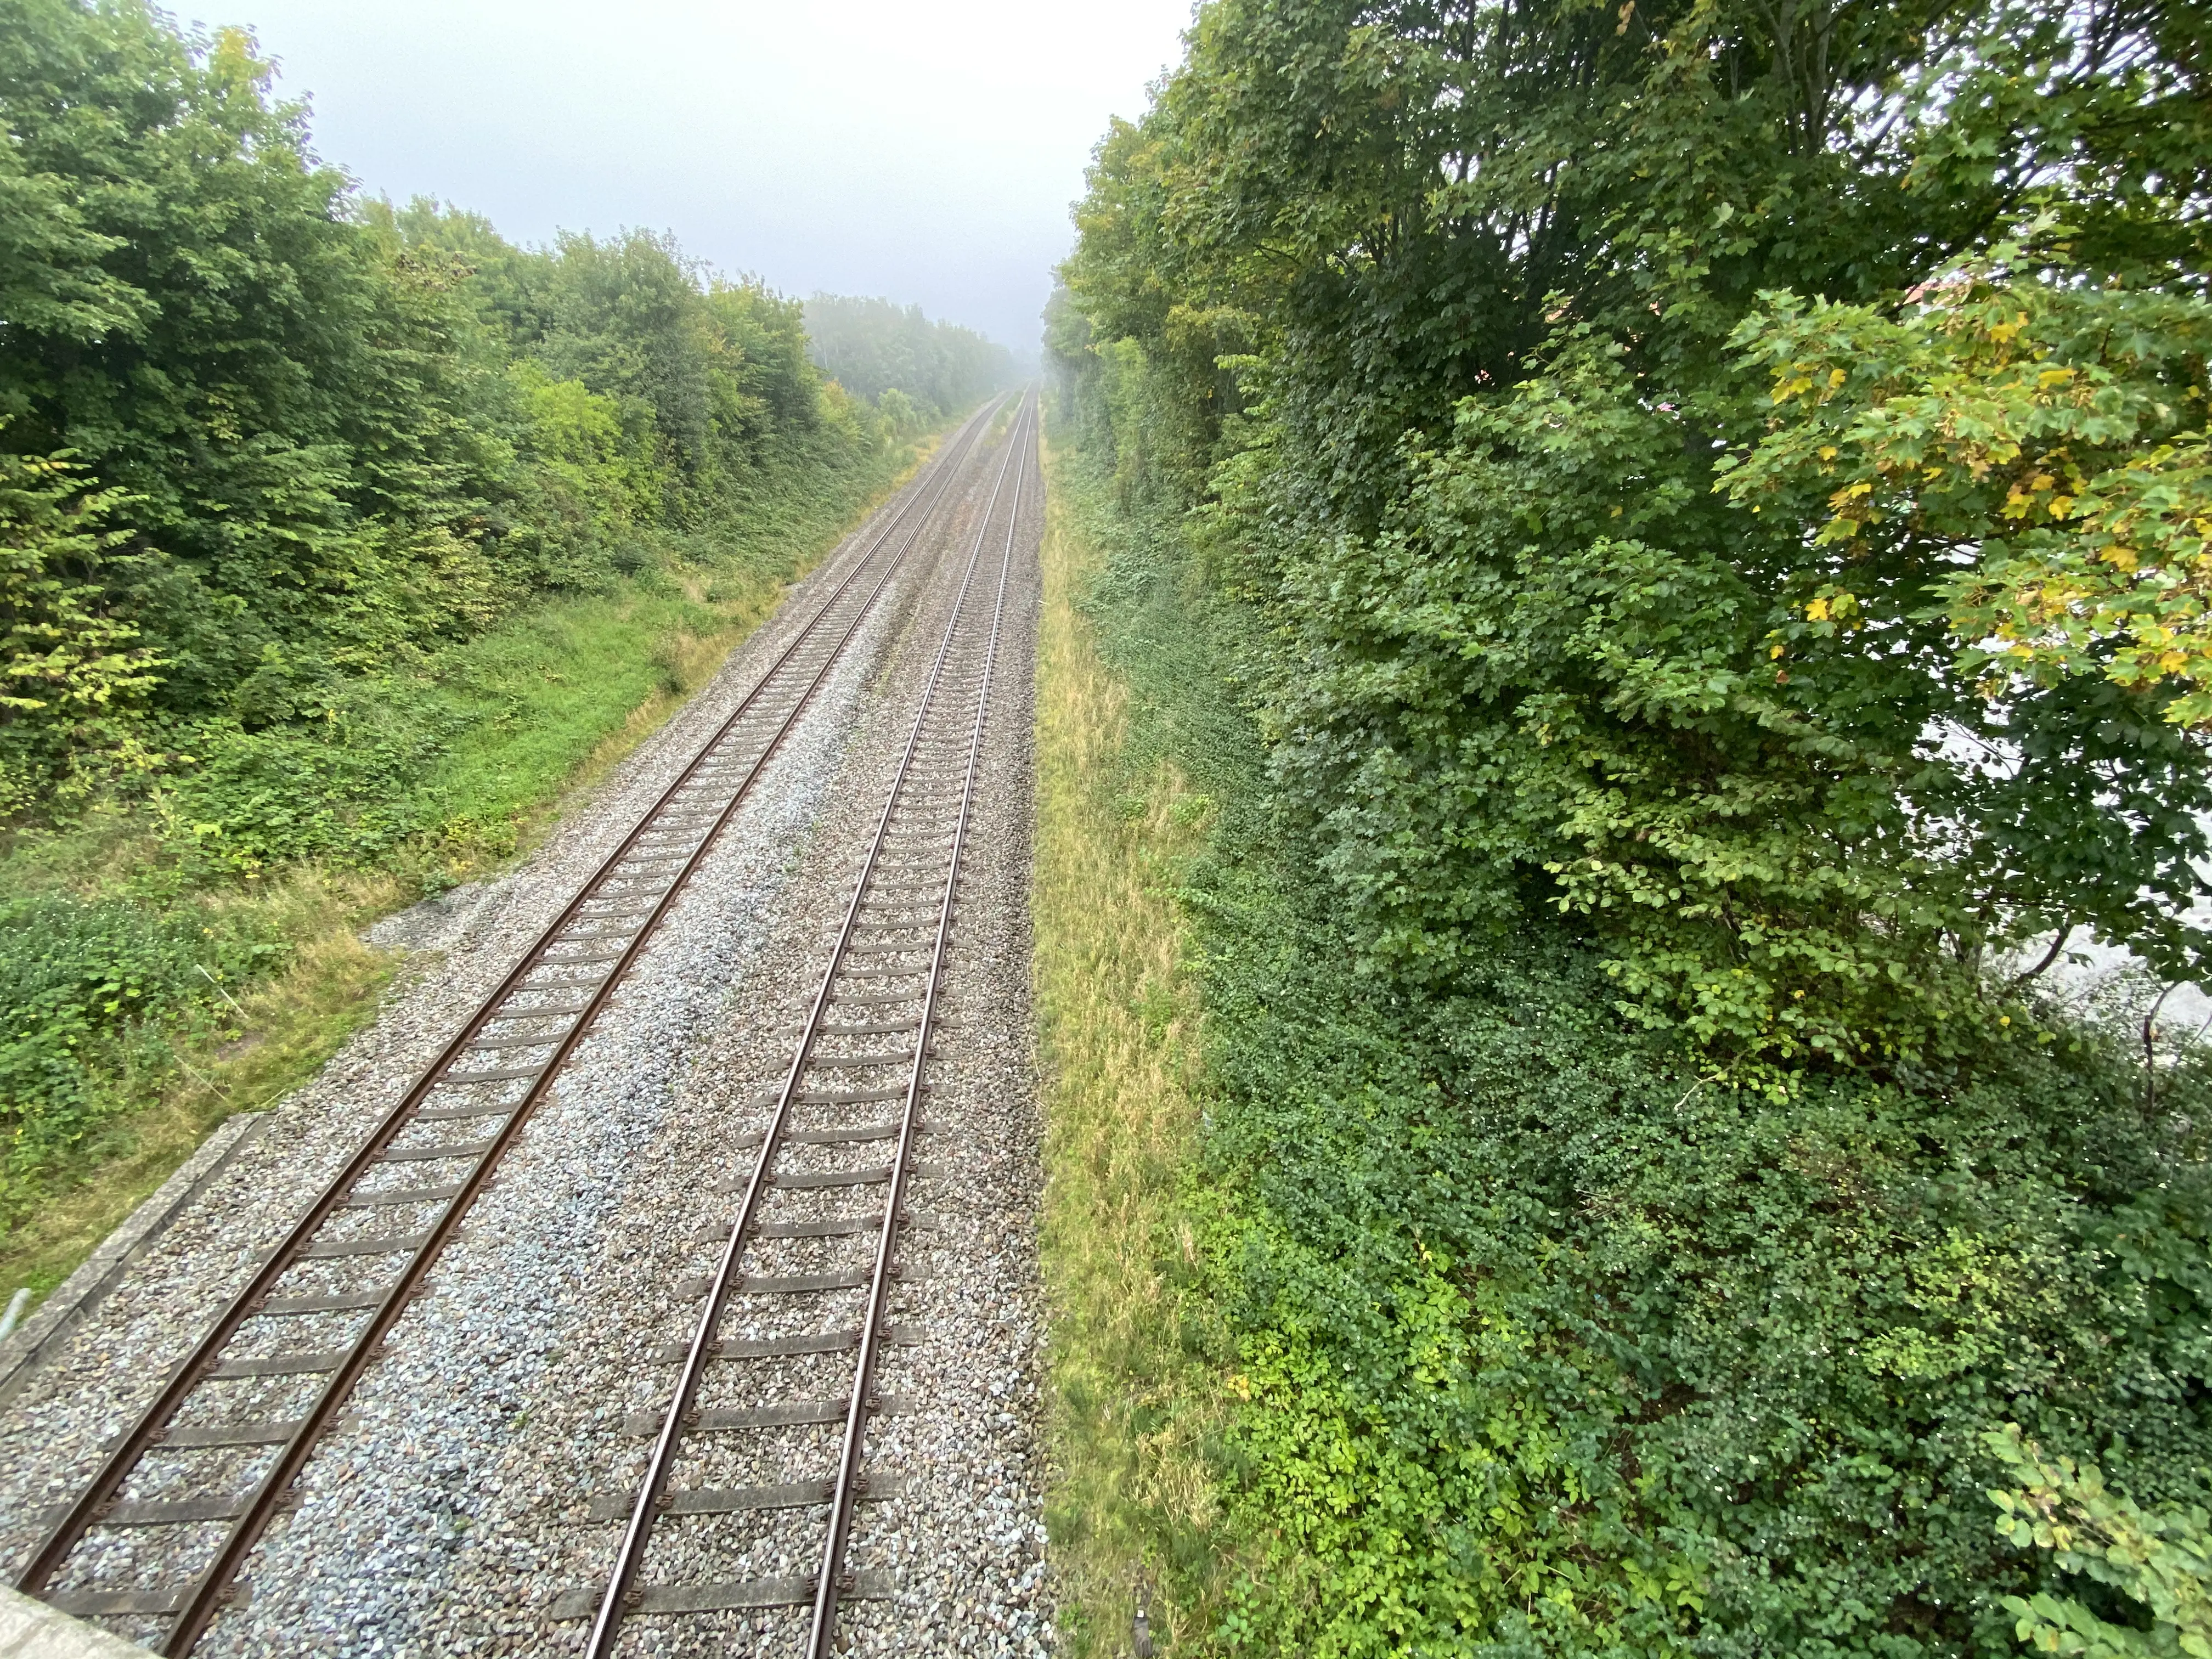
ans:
(880, 152)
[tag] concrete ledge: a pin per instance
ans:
(39, 1335)
(31, 1630)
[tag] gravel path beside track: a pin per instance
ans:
(450, 1506)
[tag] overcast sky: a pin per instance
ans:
(927, 152)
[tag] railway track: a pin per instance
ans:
(824, 1208)
(168, 1543)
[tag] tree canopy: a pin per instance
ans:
(1735, 475)
(872, 346)
(257, 434)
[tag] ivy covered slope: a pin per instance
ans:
(1711, 507)
(335, 537)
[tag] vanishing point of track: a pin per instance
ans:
(494, 1070)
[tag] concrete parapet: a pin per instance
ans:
(31, 1630)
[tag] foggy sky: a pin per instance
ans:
(926, 152)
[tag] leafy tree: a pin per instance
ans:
(872, 346)
(1446, 313)
(1710, 500)
(72, 673)
(271, 389)
(2163, 1561)
(318, 434)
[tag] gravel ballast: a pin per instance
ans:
(455, 1500)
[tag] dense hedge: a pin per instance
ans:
(1735, 476)
(1544, 1336)
(1705, 507)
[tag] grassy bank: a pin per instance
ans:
(1134, 1505)
(194, 951)
(1473, 1320)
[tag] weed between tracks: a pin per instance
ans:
(1134, 1396)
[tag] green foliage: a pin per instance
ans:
(722, 366)
(320, 436)
(72, 675)
(1704, 504)
(331, 532)
(1550, 1337)
(1774, 776)
(1475, 334)
(94, 992)
(2163, 1560)
(272, 390)
(595, 488)
(433, 758)
(2046, 444)
(875, 349)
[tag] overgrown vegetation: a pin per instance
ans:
(1704, 509)
(1504, 1324)
(336, 538)
(1735, 476)
(1134, 1409)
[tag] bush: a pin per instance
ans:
(96, 991)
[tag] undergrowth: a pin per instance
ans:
(1135, 1381)
(1473, 1320)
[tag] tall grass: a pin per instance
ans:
(263, 1041)
(1134, 1396)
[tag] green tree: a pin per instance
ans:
(323, 434)
(1436, 309)
(72, 674)
(2160, 1560)
(872, 346)
(271, 389)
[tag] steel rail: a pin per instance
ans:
(202, 1597)
(622, 1590)
(847, 1491)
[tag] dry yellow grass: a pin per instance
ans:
(1132, 1497)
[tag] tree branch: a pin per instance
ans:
(2049, 957)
